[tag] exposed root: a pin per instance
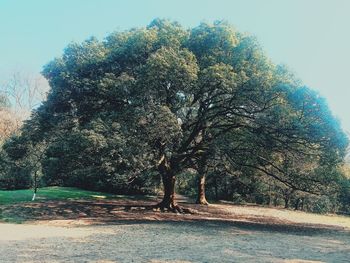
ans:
(175, 208)
(172, 207)
(202, 202)
(168, 207)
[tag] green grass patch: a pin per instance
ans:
(51, 193)
(20, 213)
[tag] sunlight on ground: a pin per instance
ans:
(168, 261)
(301, 261)
(169, 242)
(288, 215)
(21, 232)
(99, 196)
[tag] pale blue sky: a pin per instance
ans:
(312, 37)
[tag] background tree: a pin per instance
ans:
(7, 118)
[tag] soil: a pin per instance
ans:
(125, 231)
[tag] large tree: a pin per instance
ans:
(174, 97)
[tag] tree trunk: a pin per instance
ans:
(296, 206)
(275, 201)
(302, 204)
(286, 202)
(35, 186)
(201, 191)
(216, 189)
(201, 169)
(169, 192)
(270, 196)
(168, 178)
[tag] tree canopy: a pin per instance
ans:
(162, 99)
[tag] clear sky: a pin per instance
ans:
(312, 37)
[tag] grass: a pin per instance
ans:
(46, 194)
(51, 193)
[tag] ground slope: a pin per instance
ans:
(122, 229)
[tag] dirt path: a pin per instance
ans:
(207, 241)
(124, 231)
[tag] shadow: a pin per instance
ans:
(102, 212)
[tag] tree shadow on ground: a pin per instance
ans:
(131, 211)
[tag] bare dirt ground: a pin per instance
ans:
(123, 231)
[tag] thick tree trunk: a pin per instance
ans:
(169, 191)
(168, 178)
(201, 191)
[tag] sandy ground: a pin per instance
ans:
(123, 231)
(207, 241)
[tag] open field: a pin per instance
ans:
(159, 241)
(120, 229)
(66, 203)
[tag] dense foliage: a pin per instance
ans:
(155, 102)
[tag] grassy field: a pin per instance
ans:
(51, 193)
(54, 193)
(16, 206)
